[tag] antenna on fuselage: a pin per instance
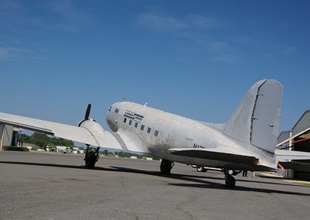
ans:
(145, 104)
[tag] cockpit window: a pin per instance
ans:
(110, 108)
(116, 110)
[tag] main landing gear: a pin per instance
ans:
(166, 166)
(91, 156)
(230, 181)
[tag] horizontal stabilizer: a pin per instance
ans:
(285, 155)
(214, 154)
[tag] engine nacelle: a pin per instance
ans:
(91, 125)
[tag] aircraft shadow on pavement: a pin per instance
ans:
(199, 181)
(43, 164)
(200, 178)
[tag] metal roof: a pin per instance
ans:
(302, 126)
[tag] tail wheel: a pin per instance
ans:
(201, 169)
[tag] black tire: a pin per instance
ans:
(91, 160)
(230, 181)
(166, 166)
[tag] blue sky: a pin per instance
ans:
(193, 58)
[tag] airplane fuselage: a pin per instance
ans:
(160, 131)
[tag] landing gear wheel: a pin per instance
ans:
(166, 166)
(91, 157)
(201, 169)
(230, 181)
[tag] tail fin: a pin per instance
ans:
(256, 120)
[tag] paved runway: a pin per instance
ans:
(52, 187)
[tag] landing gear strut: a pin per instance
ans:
(166, 166)
(230, 181)
(91, 156)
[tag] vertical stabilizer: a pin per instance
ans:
(256, 120)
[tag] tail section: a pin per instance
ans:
(256, 120)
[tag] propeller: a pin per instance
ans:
(87, 112)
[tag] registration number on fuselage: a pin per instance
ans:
(198, 146)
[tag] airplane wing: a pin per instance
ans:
(100, 137)
(222, 154)
(285, 155)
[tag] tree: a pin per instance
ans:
(39, 139)
(24, 137)
(106, 152)
(61, 142)
(42, 140)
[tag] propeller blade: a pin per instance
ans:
(87, 112)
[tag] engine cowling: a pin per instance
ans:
(91, 125)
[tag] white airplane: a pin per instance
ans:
(247, 141)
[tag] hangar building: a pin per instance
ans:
(298, 139)
(8, 135)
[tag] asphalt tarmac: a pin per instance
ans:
(52, 187)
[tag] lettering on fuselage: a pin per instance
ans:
(129, 114)
(134, 116)
(198, 146)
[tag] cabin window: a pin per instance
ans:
(125, 119)
(116, 110)
(130, 122)
(149, 130)
(156, 133)
(136, 124)
(142, 127)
